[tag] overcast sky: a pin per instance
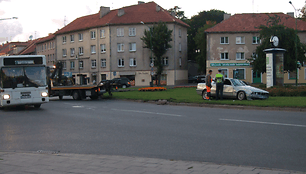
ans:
(40, 17)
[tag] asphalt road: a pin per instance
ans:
(271, 139)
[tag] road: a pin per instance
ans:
(261, 138)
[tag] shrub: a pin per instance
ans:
(152, 89)
(287, 91)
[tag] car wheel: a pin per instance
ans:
(37, 106)
(123, 86)
(241, 95)
(204, 94)
(76, 95)
(60, 97)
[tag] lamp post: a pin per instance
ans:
(296, 64)
(9, 18)
(152, 64)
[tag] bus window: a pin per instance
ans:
(12, 77)
(35, 76)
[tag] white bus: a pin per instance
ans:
(23, 80)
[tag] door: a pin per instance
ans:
(228, 89)
(256, 77)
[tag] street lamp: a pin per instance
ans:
(152, 64)
(296, 39)
(9, 18)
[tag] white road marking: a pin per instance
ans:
(260, 122)
(145, 112)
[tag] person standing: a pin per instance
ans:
(220, 83)
(208, 84)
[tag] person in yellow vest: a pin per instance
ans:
(219, 84)
(208, 84)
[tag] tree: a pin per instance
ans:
(286, 37)
(178, 14)
(157, 39)
(201, 43)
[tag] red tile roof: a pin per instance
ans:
(145, 12)
(7, 48)
(45, 39)
(250, 22)
(31, 48)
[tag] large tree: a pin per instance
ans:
(287, 40)
(178, 13)
(157, 39)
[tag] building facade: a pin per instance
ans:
(47, 46)
(108, 44)
(231, 43)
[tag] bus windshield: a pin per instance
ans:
(20, 77)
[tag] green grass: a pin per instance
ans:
(189, 95)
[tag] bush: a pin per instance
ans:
(287, 91)
(152, 89)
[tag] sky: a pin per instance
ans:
(38, 18)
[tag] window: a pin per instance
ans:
(81, 64)
(103, 49)
(64, 52)
(152, 61)
(120, 62)
(103, 63)
(239, 56)
(72, 38)
(240, 40)
(165, 61)
(254, 56)
(224, 56)
(180, 61)
(224, 72)
(256, 40)
(120, 32)
(81, 51)
(80, 36)
(72, 52)
(93, 49)
(133, 62)
(132, 31)
(180, 47)
(239, 74)
(120, 47)
(132, 46)
(292, 75)
(102, 33)
(64, 39)
(64, 65)
(93, 34)
(93, 63)
(180, 32)
(72, 65)
(224, 40)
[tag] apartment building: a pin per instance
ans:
(108, 44)
(47, 46)
(233, 41)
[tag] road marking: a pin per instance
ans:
(260, 122)
(156, 113)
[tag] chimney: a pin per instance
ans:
(157, 8)
(291, 14)
(226, 16)
(140, 2)
(173, 13)
(121, 12)
(104, 11)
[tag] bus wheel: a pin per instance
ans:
(37, 106)
(60, 97)
(76, 95)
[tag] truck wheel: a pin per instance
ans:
(60, 97)
(37, 106)
(123, 86)
(95, 97)
(241, 95)
(76, 95)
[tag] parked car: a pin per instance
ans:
(234, 88)
(122, 82)
(192, 79)
(201, 78)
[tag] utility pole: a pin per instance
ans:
(296, 39)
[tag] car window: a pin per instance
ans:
(227, 82)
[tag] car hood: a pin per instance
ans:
(253, 89)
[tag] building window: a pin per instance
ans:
(80, 36)
(256, 40)
(103, 48)
(93, 49)
(93, 34)
(64, 52)
(81, 64)
(132, 31)
(102, 33)
(292, 75)
(132, 46)
(224, 40)
(180, 47)
(93, 63)
(240, 40)
(72, 65)
(180, 32)
(180, 61)
(239, 74)
(81, 52)
(120, 62)
(120, 32)
(120, 47)
(152, 61)
(133, 62)
(64, 65)
(224, 72)
(103, 63)
(72, 38)
(64, 39)
(165, 61)
(72, 52)
(240, 56)
(224, 56)
(254, 55)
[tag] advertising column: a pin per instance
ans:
(269, 69)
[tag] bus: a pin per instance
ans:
(23, 80)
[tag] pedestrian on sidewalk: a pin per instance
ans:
(208, 84)
(219, 86)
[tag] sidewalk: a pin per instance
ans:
(58, 163)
